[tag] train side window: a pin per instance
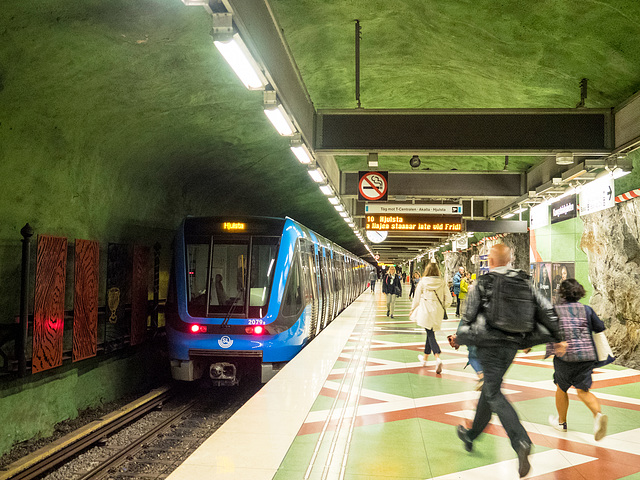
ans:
(292, 302)
(197, 271)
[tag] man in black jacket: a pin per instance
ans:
(496, 349)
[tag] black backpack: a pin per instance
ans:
(508, 302)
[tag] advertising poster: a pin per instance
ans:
(560, 272)
(542, 279)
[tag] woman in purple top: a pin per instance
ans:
(575, 367)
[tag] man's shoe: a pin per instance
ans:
(391, 316)
(600, 426)
(438, 366)
(555, 423)
(523, 451)
(387, 313)
(463, 434)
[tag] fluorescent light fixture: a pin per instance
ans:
(334, 200)
(317, 175)
(280, 120)
(302, 153)
(352, 225)
(618, 172)
(564, 158)
(372, 160)
(520, 210)
(327, 190)
(508, 215)
(237, 55)
(344, 214)
(470, 234)
(339, 208)
(191, 3)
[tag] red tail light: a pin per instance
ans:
(257, 330)
(195, 328)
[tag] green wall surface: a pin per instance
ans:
(31, 407)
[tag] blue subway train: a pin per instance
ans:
(246, 294)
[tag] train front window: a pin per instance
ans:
(228, 275)
(263, 265)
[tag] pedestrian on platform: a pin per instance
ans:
(428, 310)
(392, 288)
(575, 368)
(456, 288)
(414, 281)
(373, 278)
(504, 314)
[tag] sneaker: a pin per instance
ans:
(422, 360)
(463, 434)
(438, 366)
(391, 316)
(523, 451)
(600, 426)
(555, 423)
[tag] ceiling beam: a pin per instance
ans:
(465, 131)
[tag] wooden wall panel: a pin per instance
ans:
(48, 313)
(85, 300)
(139, 293)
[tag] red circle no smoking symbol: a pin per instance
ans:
(373, 186)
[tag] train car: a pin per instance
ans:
(246, 294)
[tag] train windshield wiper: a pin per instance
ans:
(227, 317)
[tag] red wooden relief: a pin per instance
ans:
(48, 313)
(85, 300)
(139, 293)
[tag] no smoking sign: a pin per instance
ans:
(373, 186)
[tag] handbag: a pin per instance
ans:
(603, 350)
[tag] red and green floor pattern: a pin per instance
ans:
(381, 415)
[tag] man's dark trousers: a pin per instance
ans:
(495, 361)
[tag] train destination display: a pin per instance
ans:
(413, 223)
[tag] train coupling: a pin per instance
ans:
(223, 374)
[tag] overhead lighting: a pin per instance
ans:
(618, 172)
(327, 190)
(508, 215)
(334, 200)
(344, 214)
(300, 150)
(377, 237)
(564, 158)
(277, 115)
(339, 208)
(317, 175)
(372, 160)
(352, 225)
(237, 55)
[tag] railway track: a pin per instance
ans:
(147, 438)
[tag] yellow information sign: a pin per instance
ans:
(413, 223)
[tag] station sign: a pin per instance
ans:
(539, 216)
(373, 186)
(564, 209)
(597, 195)
(420, 209)
(413, 223)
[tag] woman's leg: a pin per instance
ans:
(389, 296)
(393, 303)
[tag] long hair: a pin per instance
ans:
(432, 270)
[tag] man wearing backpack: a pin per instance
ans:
(504, 313)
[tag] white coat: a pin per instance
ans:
(426, 310)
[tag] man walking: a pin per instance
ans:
(499, 325)
(456, 288)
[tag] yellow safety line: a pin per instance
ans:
(49, 450)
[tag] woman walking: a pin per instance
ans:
(414, 282)
(392, 287)
(575, 367)
(428, 309)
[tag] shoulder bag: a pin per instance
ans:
(445, 317)
(603, 350)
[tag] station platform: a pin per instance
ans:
(357, 404)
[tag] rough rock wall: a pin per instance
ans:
(519, 244)
(611, 241)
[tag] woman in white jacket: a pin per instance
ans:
(428, 309)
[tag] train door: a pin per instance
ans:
(323, 288)
(317, 253)
(309, 272)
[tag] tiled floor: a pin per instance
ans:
(378, 414)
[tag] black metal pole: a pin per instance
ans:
(358, 30)
(156, 284)
(21, 341)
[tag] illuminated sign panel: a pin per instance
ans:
(234, 226)
(413, 223)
